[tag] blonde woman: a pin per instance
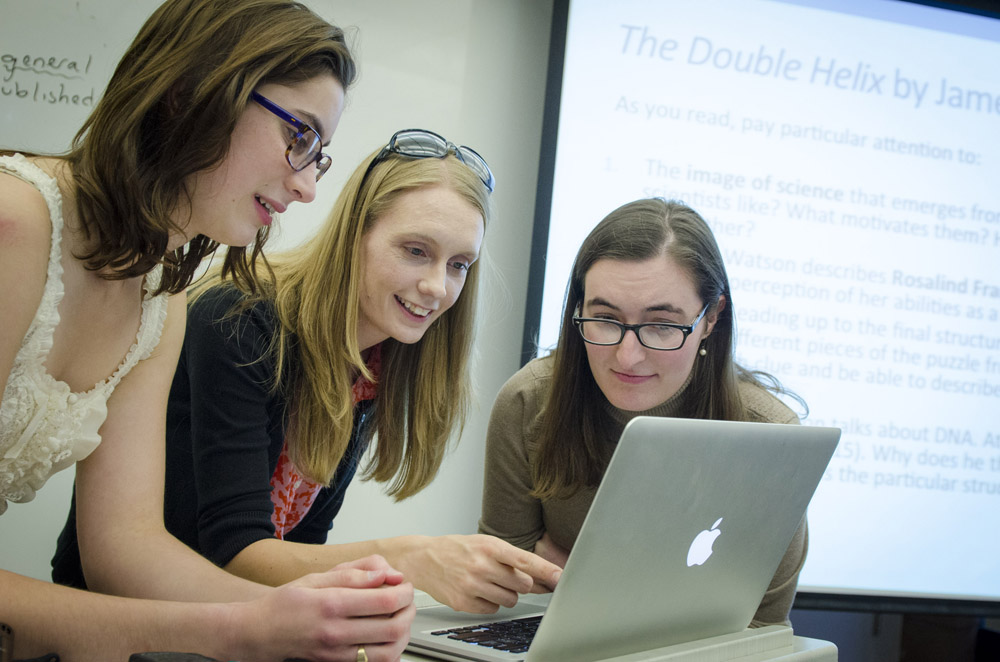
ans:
(364, 330)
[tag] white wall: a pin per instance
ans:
(472, 70)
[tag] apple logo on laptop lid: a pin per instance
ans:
(701, 546)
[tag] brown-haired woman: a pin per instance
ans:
(648, 329)
(213, 122)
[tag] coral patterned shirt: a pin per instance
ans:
(291, 493)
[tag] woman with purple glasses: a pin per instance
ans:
(351, 356)
(211, 124)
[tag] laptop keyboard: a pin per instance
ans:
(513, 636)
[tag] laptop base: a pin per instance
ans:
(754, 645)
(750, 645)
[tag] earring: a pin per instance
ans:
(702, 352)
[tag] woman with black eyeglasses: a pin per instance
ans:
(647, 329)
(358, 338)
(212, 123)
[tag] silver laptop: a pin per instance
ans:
(682, 539)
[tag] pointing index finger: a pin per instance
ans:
(535, 566)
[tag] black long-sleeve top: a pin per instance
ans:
(225, 431)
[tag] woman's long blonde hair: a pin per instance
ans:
(424, 388)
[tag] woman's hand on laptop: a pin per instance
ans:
(550, 551)
(329, 615)
(475, 573)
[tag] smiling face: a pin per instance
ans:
(631, 376)
(414, 261)
(231, 202)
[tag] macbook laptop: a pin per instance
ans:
(681, 541)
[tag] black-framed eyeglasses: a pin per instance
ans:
(423, 144)
(305, 146)
(661, 336)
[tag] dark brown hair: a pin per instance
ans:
(169, 111)
(573, 425)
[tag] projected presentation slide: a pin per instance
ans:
(847, 156)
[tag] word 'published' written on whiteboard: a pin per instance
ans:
(47, 79)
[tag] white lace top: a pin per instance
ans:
(44, 427)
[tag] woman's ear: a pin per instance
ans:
(172, 99)
(712, 316)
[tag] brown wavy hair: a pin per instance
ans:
(424, 389)
(573, 426)
(169, 112)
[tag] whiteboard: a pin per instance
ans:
(56, 57)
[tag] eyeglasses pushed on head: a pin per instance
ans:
(423, 144)
(305, 146)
